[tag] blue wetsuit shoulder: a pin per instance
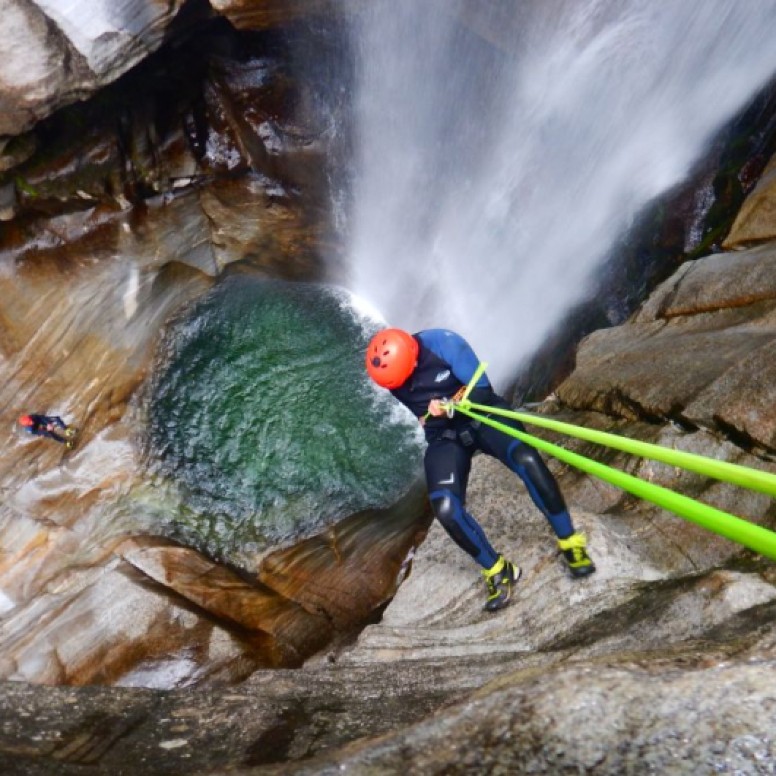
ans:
(453, 349)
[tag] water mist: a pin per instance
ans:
(502, 148)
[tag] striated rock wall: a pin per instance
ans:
(660, 662)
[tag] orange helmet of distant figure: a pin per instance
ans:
(25, 420)
(391, 357)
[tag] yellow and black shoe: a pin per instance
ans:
(500, 579)
(574, 550)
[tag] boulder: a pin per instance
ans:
(54, 54)
(146, 611)
(756, 221)
(699, 352)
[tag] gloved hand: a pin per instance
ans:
(435, 408)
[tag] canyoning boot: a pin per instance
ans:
(70, 434)
(575, 554)
(500, 579)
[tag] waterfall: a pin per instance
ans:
(503, 147)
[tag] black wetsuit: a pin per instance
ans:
(446, 363)
(40, 424)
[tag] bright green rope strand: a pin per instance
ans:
(753, 479)
(731, 527)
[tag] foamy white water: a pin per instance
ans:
(491, 182)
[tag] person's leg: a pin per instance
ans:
(526, 462)
(447, 466)
(543, 488)
(447, 471)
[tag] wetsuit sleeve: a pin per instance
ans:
(457, 352)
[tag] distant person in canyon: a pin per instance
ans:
(51, 426)
(422, 371)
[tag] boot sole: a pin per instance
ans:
(582, 571)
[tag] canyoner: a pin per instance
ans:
(49, 426)
(755, 537)
(421, 371)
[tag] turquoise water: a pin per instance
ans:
(264, 422)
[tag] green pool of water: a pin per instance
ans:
(263, 423)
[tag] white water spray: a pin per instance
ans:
(492, 179)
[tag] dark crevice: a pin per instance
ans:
(683, 424)
(741, 439)
(192, 16)
(87, 743)
(617, 400)
(274, 744)
(618, 405)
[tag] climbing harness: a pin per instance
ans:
(730, 526)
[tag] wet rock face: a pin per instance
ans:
(53, 54)
(583, 719)
(596, 674)
(251, 15)
(712, 328)
(208, 155)
(119, 212)
(692, 370)
(755, 221)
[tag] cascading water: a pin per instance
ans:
(503, 148)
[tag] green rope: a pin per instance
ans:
(752, 479)
(755, 537)
(476, 376)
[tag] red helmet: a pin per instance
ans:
(391, 357)
(26, 420)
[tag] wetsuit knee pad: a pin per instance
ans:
(529, 466)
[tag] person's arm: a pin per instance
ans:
(454, 350)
